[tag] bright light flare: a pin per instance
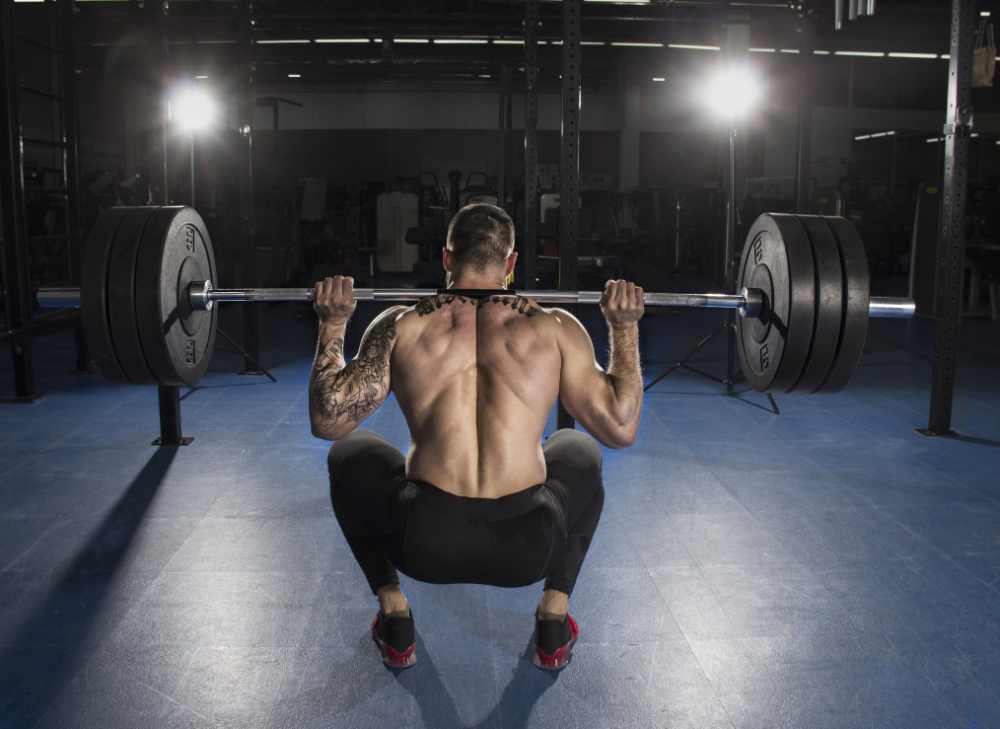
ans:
(731, 92)
(193, 110)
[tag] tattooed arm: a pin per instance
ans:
(341, 394)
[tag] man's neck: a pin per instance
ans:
(478, 283)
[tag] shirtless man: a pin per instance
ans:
(479, 499)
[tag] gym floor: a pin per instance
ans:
(827, 567)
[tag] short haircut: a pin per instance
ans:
(480, 236)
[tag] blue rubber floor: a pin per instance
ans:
(824, 568)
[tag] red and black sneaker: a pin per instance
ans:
(554, 640)
(394, 636)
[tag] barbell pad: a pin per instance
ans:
(857, 292)
(777, 259)
(176, 249)
(94, 294)
(829, 304)
(124, 295)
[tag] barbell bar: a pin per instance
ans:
(203, 296)
(148, 299)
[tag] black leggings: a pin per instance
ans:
(434, 536)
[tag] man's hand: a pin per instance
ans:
(622, 304)
(334, 300)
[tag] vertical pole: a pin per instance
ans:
(951, 243)
(529, 230)
(569, 158)
(629, 152)
(569, 167)
(248, 224)
(729, 255)
(155, 164)
(505, 124)
(803, 122)
(737, 39)
(193, 203)
(170, 418)
(71, 128)
(82, 351)
(16, 256)
(893, 164)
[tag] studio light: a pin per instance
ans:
(731, 92)
(193, 109)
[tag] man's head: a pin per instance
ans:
(480, 245)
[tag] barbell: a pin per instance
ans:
(148, 299)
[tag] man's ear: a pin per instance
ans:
(446, 259)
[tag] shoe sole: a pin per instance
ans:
(410, 660)
(569, 657)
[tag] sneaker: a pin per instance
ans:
(554, 640)
(394, 636)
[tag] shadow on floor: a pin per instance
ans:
(437, 707)
(973, 439)
(51, 645)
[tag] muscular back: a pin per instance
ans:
(476, 380)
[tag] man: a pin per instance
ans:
(479, 498)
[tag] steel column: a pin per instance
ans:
(505, 122)
(951, 243)
(803, 122)
(71, 127)
(155, 158)
(569, 161)
(248, 223)
(569, 158)
(171, 433)
(529, 228)
(155, 164)
(16, 256)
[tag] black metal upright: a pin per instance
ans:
(803, 121)
(951, 243)
(569, 160)
(155, 167)
(71, 158)
(529, 228)
(16, 257)
(248, 226)
(155, 156)
(729, 259)
(71, 124)
(505, 122)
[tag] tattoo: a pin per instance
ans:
(340, 393)
(520, 304)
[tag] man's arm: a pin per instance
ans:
(607, 404)
(341, 395)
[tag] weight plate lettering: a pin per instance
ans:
(176, 250)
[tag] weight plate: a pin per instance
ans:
(854, 328)
(123, 296)
(777, 258)
(175, 251)
(94, 294)
(829, 303)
